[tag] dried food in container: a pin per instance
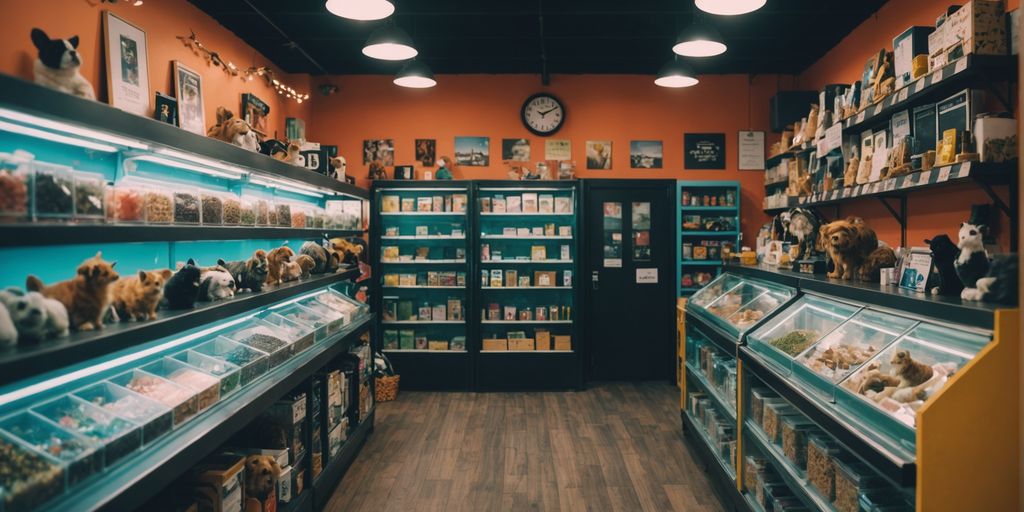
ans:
(263, 212)
(206, 386)
(187, 207)
(821, 472)
(773, 413)
(127, 202)
(213, 208)
(228, 373)
(27, 478)
(284, 214)
(159, 206)
(852, 478)
(54, 190)
(232, 211)
(795, 431)
(262, 336)
(80, 456)
(155, 418)
(753, 467)
(90, 196)
(119, 437)
(180, 399)
(15, 180)
(757, 398)
(253, 363)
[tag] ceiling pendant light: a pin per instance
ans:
(699, 40)
(389, 43)
(416, 75)
(676, 74)
(362, 10)
(729, 7)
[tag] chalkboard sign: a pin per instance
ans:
(704, 150)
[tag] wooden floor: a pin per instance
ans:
(615, 446)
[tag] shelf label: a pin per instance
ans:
(890, 185)
(902, 96)
(944, 174)
(835, 193)
(646, 276)
(960, 65)
(613, 263)
(860, 116)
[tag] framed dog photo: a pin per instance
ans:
(127, 65)
(188, 87)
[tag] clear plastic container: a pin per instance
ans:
(232, 210)
(54, 191)
(181, 400)
(347, 306)
(300, 335)
(768, 483)
(155, 418)
(206, 386)
(273, 215)
(284, 213)
(771, 423)
(187, 205)
(757, 399)
(788, 504)
(319, 218)
(126, 202)
(252, 362)
(303, 315)
(119, 437)
(28, 478)
(335, 319)
(15, 187)
(821, 471)
(301, 215)
(753, 468)
(264, 337)
(90, 196)
(159, 205)
(853, 479)
(705, 296)
(81, 457)
(795, 433)
(263, 212)
(801, 325)
(247, 212)
(212, 205)
(228, 373)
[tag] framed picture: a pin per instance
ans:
(558, 149)
(255, 112)
(515, 150)
(645, 154)
(127, 65)
(704, 150)
(188, 87)
(599, 154)
(166, 109)
(426, 152)
(473, 151)
(379, 149)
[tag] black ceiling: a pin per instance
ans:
(576, 36)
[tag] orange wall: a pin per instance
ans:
(930, 213)
(619, 108)
(162, 20)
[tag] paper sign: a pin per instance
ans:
(751, 151)
(646, 276)
(612, 263)
(944, 173)
(900, 125)
(960, 66)
(902, 96)
(833, 139)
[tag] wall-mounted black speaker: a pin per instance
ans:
(788, 107)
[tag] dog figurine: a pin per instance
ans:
(882, 257)
(275, 263)
(339, 168)
(58, 65)
(216, 284)
(137, 297)
(86, 297)
(848, 243)
(26, 313)
(261, 473)
(803, 225)
(251, 274)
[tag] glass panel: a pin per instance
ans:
(79, 454)
(843, 350)
(799, 327)
(612, 234)
(709, 293)
(641, 231)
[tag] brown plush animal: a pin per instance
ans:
(349, 252)
(261, 472)
(223, 115)
(86, 296)
(877, 382)
(306, 264)
(136, 297)
(291, 271)
(292, 156)
(849, 243)
(275, 263)
(882, 257)
(910, 372)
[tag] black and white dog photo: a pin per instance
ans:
(58, 65)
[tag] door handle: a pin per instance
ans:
(594, 280)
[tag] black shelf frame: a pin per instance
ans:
(722, 482)
(135, 479)
(25, 96)
(44, 359)
(327, 481)
(24, 235)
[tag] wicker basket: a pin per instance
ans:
(387, 388)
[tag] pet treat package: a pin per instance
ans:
(54, 191)
(15, 183)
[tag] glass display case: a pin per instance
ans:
(183, 401)
(118, 437)
(713, 368)
(155, 418)
(266, 338)
(80, 456)
(735, 304)
(797, 327)
(708, 231)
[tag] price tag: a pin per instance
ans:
(846, 192)
(944, 174)
(960, 65)
(860, 116)
(890, 185)
(902, 96)
(835, 193)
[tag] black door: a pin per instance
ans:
(629, 279)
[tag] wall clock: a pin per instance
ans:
(543, 114)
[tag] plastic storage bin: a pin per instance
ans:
(159, 205)
(228, 374)
(302, 216)
(90, 196)
(212, 205)
(753, 468)
(126, 201)
(263, 212)
(181, 400)
(15, 188)
(27, 478)
(187, 206)
(284, 213)
(206, 386)
(795, 433)
(852, 480)
(155, 418)
(335, 319)
(54, 190)
(303, 315)
(821, 471)
(771, 423)
(264, 337)
(80, 456)
(301, 336)
(247, 215)
(232, 210)
(797, 327)
(252, 363)
(757, 400)
(347, 306)
(119, 437)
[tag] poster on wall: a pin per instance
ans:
(426, 152)
(255, 112)
(379, 149)
(645, 154)
(704, 150)
(473, 151)
(127, 65)
(558, 149)
(751, 146)
(599, 154)
(188, 86)
(515, 150)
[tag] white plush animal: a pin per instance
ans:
(216, 284)
(57, 322)
(28, 313)
(8, 333)
(58, 64)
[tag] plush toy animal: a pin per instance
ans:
(803, 225)
(87, 296)
(137, 297)
(275, 263)
(27, 313)
(323, 259)
(351, 250)
(292, 156)
(8, 332)
(182, 289)
(261, 473)
(377, 171)
(882, 257)
(215, 285)
(849, 243)
(251, 274)
(1000, 284)
(972, 262)
(339, 167)
(306, 264)
(943, 277)
(58, 64)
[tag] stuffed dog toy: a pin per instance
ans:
(261, 473)
(849, 243)
(58, 64)
(234, 130)
(86, 297)
(291, 156)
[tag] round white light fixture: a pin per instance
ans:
(362, 10)
(389, 43)
(676, 74)
(416, 75)
(699, 40)
(729, 7)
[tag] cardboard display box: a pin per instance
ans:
(563, 342)
(520, 344)
(495, 344)
(978, 27)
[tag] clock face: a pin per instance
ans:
(543, 114)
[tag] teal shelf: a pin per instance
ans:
(709, 233)
(700, 263)
(710, 208)
(719, 188)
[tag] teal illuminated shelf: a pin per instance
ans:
(528, 237)
(526, 321)
(709, 208)
(526, 288)
(422, 262)
(423, 214)
(523, 214)
(700, 263)
(709, 233)
(422, 322)
(525, 262)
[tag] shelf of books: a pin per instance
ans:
(709, 221)
(422, 268)
(527, 290)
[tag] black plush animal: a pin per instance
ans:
(182, 289)
(943, 279)
(972, 262)
(1000, 285)
(58, 65)
(249, 274)
(325, 261)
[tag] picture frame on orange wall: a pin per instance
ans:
(426, 152)
(188, 88)
(127, 65)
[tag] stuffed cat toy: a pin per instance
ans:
(972, 261)
(86, 297)
(58, 64)
(249, 274)
(275, 263)
(339, 167)
(182, 289)
(324, 260)
(216, 285)
(137, 297)
(1000, 284)
(943, 279)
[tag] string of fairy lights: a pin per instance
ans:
(192, 41)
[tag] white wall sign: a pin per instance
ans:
(751, 151)
(646, 276)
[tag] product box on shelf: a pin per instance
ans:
(996, 139)
(218, 482)
(284, 484)
(977, 27)
(909, 44)
(493, 344)
(336, 438)
(521, 344)
(563, 342)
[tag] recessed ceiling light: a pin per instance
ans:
(389, 43)
(362, 10)
(676, 74)
(699, 40)
(729, 7)
(416, 75)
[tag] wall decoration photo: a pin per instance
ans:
(188, 86)
(704, 150)
(127, 65)
(599, 154)
(254, 112)
(473, 151)
(426, 151)
(516, 150)
(379, 149)
(645, 154)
